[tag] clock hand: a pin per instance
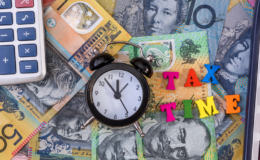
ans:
(124, 88)
(124, 105)
(110, 85)
(117, 86)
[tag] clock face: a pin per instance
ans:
(117, 94)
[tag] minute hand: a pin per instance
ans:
(110, 85)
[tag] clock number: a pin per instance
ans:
(126, 115)
(98, 104)
(105, 111)
(121, 75)
(115, 117)
(96, 92)
(135, 109)
(139, 98)
(131, 79)
(101, 83)
(137, 87)
(110, 76)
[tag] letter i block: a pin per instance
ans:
(232, 104)
(170, 76)
(168, 108)
(192, 79)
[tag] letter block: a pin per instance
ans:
(168, 108)
(192, 79)
(187, 109)
(207, 110)
(232, 104)
(170, 76)
(211, 71)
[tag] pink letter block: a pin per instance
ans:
(168, 108)
(170, 76)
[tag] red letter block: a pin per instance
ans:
(170, 76)
(168, 108)
(192, 79)
(232, 104)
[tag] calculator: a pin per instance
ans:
(22, 47)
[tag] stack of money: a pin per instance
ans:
(219, 30)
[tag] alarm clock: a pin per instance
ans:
(117, 93)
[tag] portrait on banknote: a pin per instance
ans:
(227, 151)
(233, 29)
(82, 17)
(66, 123)
(10, 105)
(60, 81)
(235, 63)
(151, 17)
(117, 144)
(180, 139)
(63, 132)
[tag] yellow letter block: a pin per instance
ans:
(207, 110)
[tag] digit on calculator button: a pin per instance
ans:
(24, 3)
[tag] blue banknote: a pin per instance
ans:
(156, 17)
(62, 136)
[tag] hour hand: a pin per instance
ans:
(110, 85)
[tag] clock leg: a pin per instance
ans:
(139, 129)
(88, 122)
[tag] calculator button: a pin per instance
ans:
(27, 50)
(24, 3)
(7, 60)
(26, 34)
(28, 66)
(6, 35)
(4, 4)
(6, 18)
(25, 18)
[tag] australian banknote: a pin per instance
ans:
(62, 136)
(75, 28)
(169, 55)
(147, 18)
(233, 57)
(108, 5)
(26, 108)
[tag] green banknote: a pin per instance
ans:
(173, 53)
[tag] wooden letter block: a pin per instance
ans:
(168, 108)
(170, 76)
(192, 79)
(232, 104)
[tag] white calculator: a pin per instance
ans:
(22, 47)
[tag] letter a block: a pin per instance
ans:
(192, 79)
(170, 76)
(211, 71)
(207, 110)
(168, 108)
(232, 104)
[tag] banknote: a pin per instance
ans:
(108, 5)
(26, 108)
(147, 18)
(76, 28)
(169, 53)
(62, 136)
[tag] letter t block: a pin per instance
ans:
(168, 108)
(170, 76)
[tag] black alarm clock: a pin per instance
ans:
(118, 94)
